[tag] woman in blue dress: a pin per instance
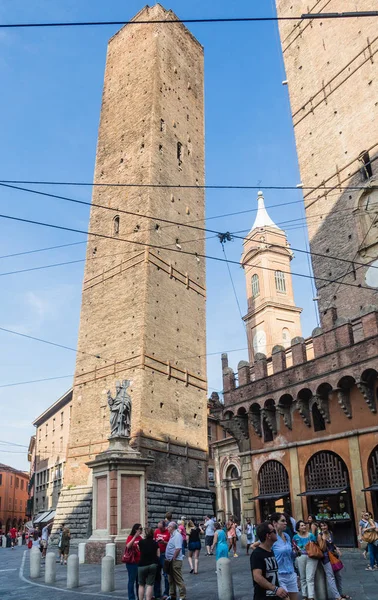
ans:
(283, 551)
(220, 542)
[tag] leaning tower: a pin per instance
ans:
(143, 299)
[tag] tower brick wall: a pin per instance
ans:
(331, 68)
(143, 309)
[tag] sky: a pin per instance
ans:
(51, 86)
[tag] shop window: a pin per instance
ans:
(255, 286)
(279, 278)
(317, 419)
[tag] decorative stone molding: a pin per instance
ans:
(285, 412)
(237, 427)
(323, 406)
(343, 396)
(256, 423)
(270, 417)
(367, 390)
(304, 411)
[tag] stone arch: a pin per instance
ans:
(269, 420)
(228, 414)
(372, 468)
(255, 418)
(303, 404)
(232, 471)
(241, 411)
(285, 408)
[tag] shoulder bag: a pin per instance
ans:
(129, 556)
(371, 535)
(313, 550)
(336, 563)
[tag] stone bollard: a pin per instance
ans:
(35, 563)
(224, 577)
(321, 592)
(19, 541)
(107, 574)
(72, 571)
(4, 541)
(50, 568)
(82, 553)
(110, 550)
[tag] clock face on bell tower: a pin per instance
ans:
(259, 341)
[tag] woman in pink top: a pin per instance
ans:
(231, 535)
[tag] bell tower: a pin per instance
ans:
(272, 318)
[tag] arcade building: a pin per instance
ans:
(301, 415)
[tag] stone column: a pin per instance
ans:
(357, 482)
(248, 506)
(296, 502)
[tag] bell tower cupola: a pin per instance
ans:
(272, 317)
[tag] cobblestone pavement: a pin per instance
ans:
(15, 582)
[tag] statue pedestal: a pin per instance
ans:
(119, 497)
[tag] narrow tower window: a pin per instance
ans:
(116, 225)
(179, 152)
(255, 286)
(279, 278)
(367, 170)
(162, 125)
(318, 419)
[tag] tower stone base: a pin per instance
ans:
(180, 501)
(75, 512)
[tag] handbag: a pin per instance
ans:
(313, 550)
(370, 536)
(336, 563)
(129, 556)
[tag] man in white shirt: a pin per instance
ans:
(173, 555)
(45, 539)
(209, 533)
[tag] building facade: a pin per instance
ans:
(333, 98)
(48, 456)
(143, 302)
(13, 498)
(303, 417)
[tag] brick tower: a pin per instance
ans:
(331, 67)
(143, 306)
(272, 318)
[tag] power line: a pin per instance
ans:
(13, 444)
(302, 17)
(36, 339)
(150, 217)
(40, 250)
(11, 182)
(155, 246)
(5, 385)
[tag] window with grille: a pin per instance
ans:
(255, 286)
(273, 478)
(326, 470)
(373, 466)
(279, 277)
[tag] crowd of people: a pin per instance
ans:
(286, 556)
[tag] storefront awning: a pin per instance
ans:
(327, 492)
(45, 517)
(371, 488)
(270, 496)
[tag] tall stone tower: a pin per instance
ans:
(332, 73)
(143, 302)
(272, 318)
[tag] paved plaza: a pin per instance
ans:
(15, 582)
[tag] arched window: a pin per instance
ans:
(273, 479)
(232, 472)
(368, 218)
(116, 225)
(255, 286)
(373, 467)
(285, 337)
(317, 418)
(326, 470)
(279, 277)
